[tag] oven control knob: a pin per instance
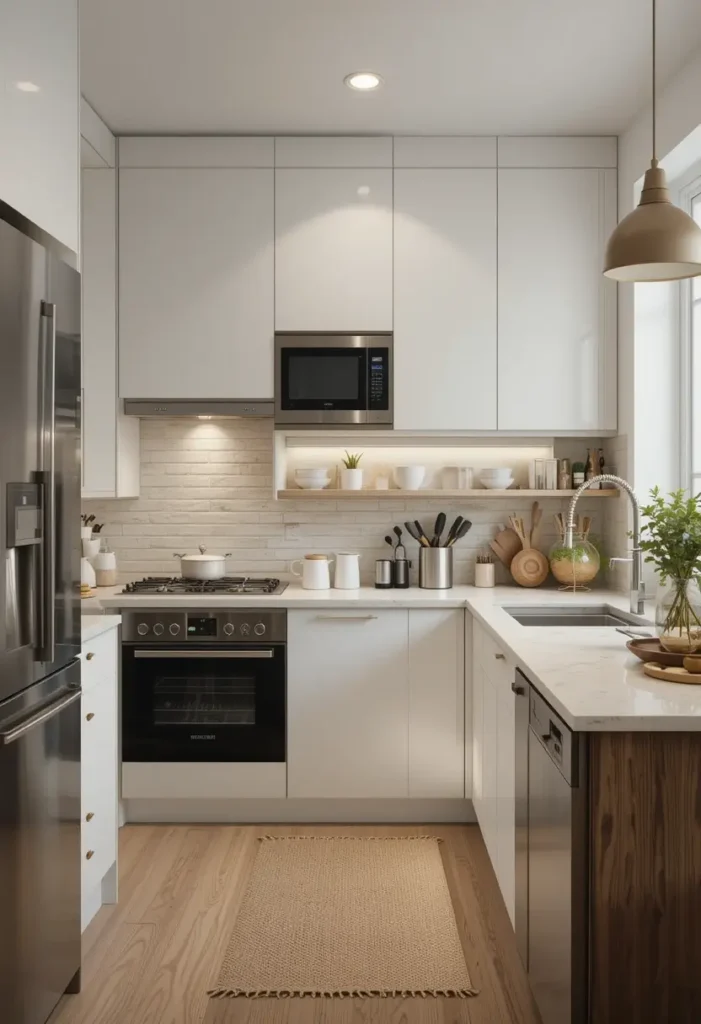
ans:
(259, 628)
(142, 629)
(245, 629)
(228, 629)
(158, 628)
(174, 628)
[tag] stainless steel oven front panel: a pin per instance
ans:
(330, 418)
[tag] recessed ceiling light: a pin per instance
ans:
(28, 87)
(363, 80)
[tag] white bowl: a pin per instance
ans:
(313, 483)
(311, 472)
(496, 485)
(409, 478)
(497, 474)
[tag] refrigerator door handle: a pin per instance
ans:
(26, 725)
(47, 445)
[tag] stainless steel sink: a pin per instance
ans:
(582, 615)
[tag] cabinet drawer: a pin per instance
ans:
(99, 663)
(491, 654)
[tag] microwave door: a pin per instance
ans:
(325, 385)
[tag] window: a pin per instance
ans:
(690, 322)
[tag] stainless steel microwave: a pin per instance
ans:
(333, 380)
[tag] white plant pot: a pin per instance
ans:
(351, 479)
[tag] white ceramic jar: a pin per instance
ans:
(314, 572)
(347, 574)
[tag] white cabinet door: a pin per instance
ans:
(557, 313)
(333, 249)
(506, 785)
(196, 283)
(489, 766)
(436, 703)
(445, 299)
(347, 704)
(39, 113)
(477, 726)
(110, 439)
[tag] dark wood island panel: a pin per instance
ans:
(645, 814)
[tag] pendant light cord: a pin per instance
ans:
(654, 84)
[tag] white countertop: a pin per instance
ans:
(93, 625)
(585, 673)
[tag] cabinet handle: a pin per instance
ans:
(500, 657)
(89, 854)
(89, 816)
(518, 690)
(345, 618)
(89, 656)
(90, 715)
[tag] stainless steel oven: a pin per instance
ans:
(203, 685)
(327, 380)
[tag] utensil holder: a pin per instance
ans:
(436, 568)
(484, 574)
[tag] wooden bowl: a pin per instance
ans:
(530, 567)
(652, 650)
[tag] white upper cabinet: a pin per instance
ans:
(333, 249)
(39, 114)
(445, 298)
(557, 313)
(196, 269)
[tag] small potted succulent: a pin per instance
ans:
(351, 476)
(671, 539)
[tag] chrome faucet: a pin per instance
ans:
(637, 586)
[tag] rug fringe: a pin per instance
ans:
(239, 993)
(357, 839)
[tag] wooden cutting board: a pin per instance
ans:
(671, 675)
(506, 545)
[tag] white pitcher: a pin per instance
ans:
(347, 575)
(314, 572)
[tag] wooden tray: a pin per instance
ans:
(652, 650)
(671, 675)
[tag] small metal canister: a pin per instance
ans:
(384, 573)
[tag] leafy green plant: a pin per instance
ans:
(671, 539)
(351, 461)
(578, 553)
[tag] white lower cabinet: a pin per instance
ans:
(375, 703)
(493, 766)
(99, 759)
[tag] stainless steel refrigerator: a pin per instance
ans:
(39, 628)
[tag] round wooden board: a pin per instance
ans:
(671, 675)
(530, 568)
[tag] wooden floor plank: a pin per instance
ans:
(151, 959)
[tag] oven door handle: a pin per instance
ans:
(204, 654)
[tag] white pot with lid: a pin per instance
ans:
(203, 566)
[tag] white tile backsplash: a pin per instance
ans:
(211, 483)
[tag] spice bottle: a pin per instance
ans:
(578, 474)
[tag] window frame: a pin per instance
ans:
(688, 190)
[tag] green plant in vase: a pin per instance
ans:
(352, 474)
(671, 540)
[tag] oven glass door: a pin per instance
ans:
(203, 704)
(324, 379)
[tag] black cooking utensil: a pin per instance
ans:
(463, 529)
(453, 530)
(422, 534)
(398, 532)
(388, 540)
(417, 536)
(438, 530)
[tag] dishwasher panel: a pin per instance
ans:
(557, 866)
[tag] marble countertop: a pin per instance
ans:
(93, 625)
(585, 673)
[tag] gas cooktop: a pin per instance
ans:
(224, 585)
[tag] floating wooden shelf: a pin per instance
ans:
(335, 494)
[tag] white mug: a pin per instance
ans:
(347, 575)
(314, 572)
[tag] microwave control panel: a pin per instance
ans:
(378, 378)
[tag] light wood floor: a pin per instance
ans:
(151, 958)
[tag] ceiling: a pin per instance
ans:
(450, 66)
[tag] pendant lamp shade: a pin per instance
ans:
(657, 241)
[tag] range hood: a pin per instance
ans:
(198, 407)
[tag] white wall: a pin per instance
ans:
(648, 337)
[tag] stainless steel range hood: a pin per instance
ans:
(209, 407)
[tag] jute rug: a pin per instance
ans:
(344, 916)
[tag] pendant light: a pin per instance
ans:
(657, 241)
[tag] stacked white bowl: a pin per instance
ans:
(314, 479)
(496, 479)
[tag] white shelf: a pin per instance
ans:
(335, 494)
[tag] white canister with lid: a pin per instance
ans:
(314, 572)
(105, 566)
(347, 574)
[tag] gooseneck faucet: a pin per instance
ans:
(637, 586)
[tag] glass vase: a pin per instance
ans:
(678, 616)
